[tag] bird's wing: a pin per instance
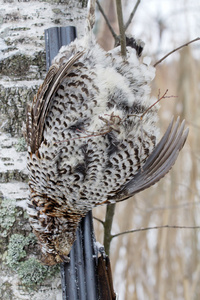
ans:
(158, 163)
(37, 111)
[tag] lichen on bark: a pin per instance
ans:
(7, 215)
(30, 271)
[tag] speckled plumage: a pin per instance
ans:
(86, 139)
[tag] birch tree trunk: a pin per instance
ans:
(22, 68)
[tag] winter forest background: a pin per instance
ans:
(156, 264)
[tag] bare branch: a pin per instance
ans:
(132, 14)
(155, 227)
(115, 36)
(110, 210)
(121, 27)
(159, 61)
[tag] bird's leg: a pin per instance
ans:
(91, 13)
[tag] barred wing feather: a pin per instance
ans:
(159, 162)
(37, 111)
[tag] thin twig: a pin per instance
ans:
(159, 99)
(115, 36)
(132, 14)
(121, 27)
(155, 227)
(159, 61)
(99, 220)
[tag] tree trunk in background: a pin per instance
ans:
(22, 68)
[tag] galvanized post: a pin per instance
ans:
(80, 275)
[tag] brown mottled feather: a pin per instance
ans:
(36, 113)
(88, 145)
(158, 163)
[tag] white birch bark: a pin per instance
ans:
(22, 68)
